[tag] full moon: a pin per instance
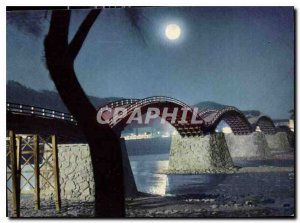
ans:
(173, 31)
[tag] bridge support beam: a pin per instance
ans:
(199, 154)
(278, 141)
(252, 146)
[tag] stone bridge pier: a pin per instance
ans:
(256, 145)
(278, 141)
(251, 146)
(199, 154)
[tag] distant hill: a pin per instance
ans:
(18, 93)
(251, 113)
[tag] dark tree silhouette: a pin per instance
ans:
(104, 144)
(292, 112)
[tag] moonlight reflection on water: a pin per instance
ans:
(149, 176)
(148, 173)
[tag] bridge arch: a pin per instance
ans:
(265, 124)
(159, 102)
(231, 115)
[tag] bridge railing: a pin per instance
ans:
(123, 102)
(39, 112)
(203, 114)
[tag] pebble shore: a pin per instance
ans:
(158, 206)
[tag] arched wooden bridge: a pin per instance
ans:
(208, 119)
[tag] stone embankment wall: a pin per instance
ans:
(252, 146)
(76, 174)
(278, 141)
(199, 154)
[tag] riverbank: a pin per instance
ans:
(246, 194)
(256, 189)
(185, 206)
(203, 205)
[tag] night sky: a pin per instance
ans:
(235, 56)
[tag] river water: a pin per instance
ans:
(148, 169)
